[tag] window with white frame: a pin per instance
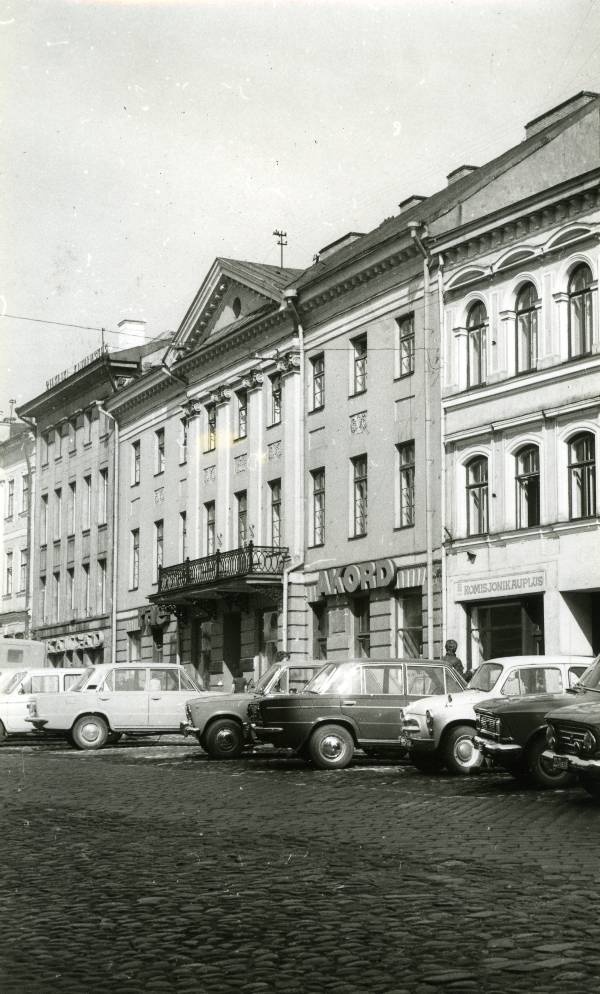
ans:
(134, 559)
(159, 530)
(527, 478)
(103, 496)
(44, 519)
(71, 506)
(582, 476)
(58, 437)
(135, 462)
(210, 523)
(183, 440)
(134, 647)
(318, 506)
(42, 600)
(56, 595)
(241, 398)
(406, 466)
(580, 311)
(276, 517)
(359, 364)
(71, 589)
(86, 507)
(72, 434)
(361, 609)
(317, 365)
(23, 569)
(10, 499)
(241, 499)
(25, 493)
(320, 630)
(275, 381)
(211, 428)
(409, 623)
(8, 574)
(159, 451)
(477, 496)
(57, 514)
(406, 344)
(359, 495)
(477, 325)
(101, 605)
(183, 543)
(87, 427)
(526, 329)
(85, 589)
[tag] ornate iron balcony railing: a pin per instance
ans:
(250, 560)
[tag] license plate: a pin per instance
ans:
(561, 763)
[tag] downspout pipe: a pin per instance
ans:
(30, 422)
(115, 529)
(416, 237)
(442, 322)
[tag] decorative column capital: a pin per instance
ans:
(289, 363)
(252, 380)
(220, 395)
(192, 408)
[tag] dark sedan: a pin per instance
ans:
(348, 705)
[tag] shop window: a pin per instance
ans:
(318, 506)
(582, 477)
(317, 365)
(320, 630)
(580, 311)
(406, 459)
(276, 518)
(477, 324)
(409, 624)
(477, 496)
(526, 329)
(528, 487)
(359, 364)
(359, 496)
(209, 515)
(241, 499)
(242, 413)
(406, 344)
(211, 428)
(275, 381)
(361, 607)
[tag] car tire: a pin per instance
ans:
(2, 733)
(460, 756)
(331, 747)
(538, 773)
(224, 739)
(90, 732)
(591, 785)
(426, 764)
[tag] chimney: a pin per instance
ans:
(412, 201)
(459, 173)
(131, 333)
(557, 113)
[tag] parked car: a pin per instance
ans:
(439, 731)
(349, 705)
(573, 742)
(511, 732)
(16, 688)
(108, 700)
(221, 724)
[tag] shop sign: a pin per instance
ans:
(70, 643)
(357, 576)
(503, 586)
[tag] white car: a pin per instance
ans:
(137, 698)
(438, 731)
(16, 688)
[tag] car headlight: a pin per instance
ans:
(429, 722)
(588, 745)
(550, 736)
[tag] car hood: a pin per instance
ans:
(437, 702)
(589, 713)
(530, 702)
(225, 699)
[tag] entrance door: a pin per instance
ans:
(232, 642)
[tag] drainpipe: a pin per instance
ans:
(414, 233)
(30, 422)
(115, 542)
(442, 322)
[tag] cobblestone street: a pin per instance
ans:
(150, 868)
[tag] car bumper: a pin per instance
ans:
(38, 723)
(497, 750)
(420, 746)
(575, 764)
(265, 731)
(186, 728)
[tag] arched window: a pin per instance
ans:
(528, 486)
(582, 476)
(476, 345)
(526, 329)
(580, 311)
(477, 496)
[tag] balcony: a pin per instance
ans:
(237, 570)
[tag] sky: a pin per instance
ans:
(143, 138)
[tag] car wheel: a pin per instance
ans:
(541, 774)
(591, 785)
(459, 754)
(2, 734)
(331, 747)
(426, 764)
(90, 732)
(224, 739)
(113, 737)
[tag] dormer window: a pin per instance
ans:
(236, 307)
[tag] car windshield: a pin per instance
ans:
(485, 677)
(12, 681)
(335, 679)
(266, 678)
(83, 679)
(591, 678)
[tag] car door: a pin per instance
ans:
(375, 710)
(124, 698)
(167, 698)
(13, 710)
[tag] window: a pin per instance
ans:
(526, 329)
(8, 574)
(135, 462)
(44, 443)
(276, 522)
(101, 605)
(582, 477)
(318, 381)
(183, 441)
(124, 681)
(55, 596)
(159, 451)
(318, 507)
(183, 549)
(362, 626)
(103, 497)
(44, 519)
(236, 307)
(359, 364)
(71, 505)
(85, 576)
(10, 499)
(86, 509)
(406, 459)
(72, 434)
(242, 516)
(211, 428)
(134, 559)
(71, 589)
(165, 680)
(25, 493)
(43, 615)
(528, 487)
(359, 495)
(23, 569)
(134, 647)
(476, 345)
(409, 624)
(242, 413)
(320, 630)
(532, 680)
(209, 512)
(275, 399)
(57, 513)
(158, 549)
(406, 344)
(87, 427)
(477, 496)
(58, 437)
(580, 311)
